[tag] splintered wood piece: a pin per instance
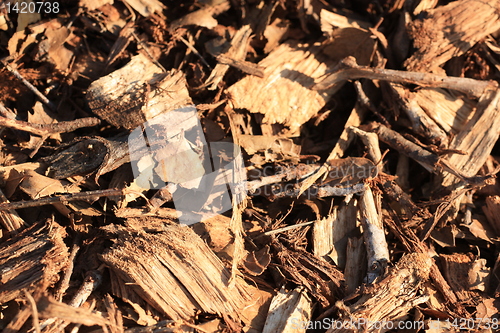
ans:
(137, 92)
(236, 51)
(50, 308)
(323, 235)
(389, 299)
(449, 31)
(371, 142)
(343, 226)
(146, 7)
(175, 272)
(330, 21)
(284, 96)
(449, 111)
(420, 122)
(355, 118)
(477, 138)
(289, 312)
(9, 219)
(32, 259)
(355, 264)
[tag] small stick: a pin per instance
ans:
(195, 51)
(337, 191)
(371, 142)
(87, 196)
(287, 228)
(373, 233)
(146, 49)
(34, 310)
(44, 130)
(350, 70)
(92, 280)
(244, 66)
(365, 101)
(31, 87)
(67, 274)
(431, 162)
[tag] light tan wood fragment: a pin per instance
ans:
(323, 235)
(355, 264)
(449, 111)
(343, 225)
(330, 20)
(289, 312)
(449, 31)
(477, 138)
(237, 50)
(284, 96)
(146, 7)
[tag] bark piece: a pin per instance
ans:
(492, 212)
(391, 298)
(320, 278)
(236, 51)
(477, 138)
(463, 273)
(137, 92)
(175, 272)
(283, 96)
(32, 259)
(289, 312)
(449, 31)
(9, 219)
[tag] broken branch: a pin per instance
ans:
(47, 129)
(350, 70)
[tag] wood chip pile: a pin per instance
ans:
(249, 166)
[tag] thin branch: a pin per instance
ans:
(86, 196)
(350, 70)
(44, 130)
(34, 310)
(31, 87)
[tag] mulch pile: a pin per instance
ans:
(249, 166)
